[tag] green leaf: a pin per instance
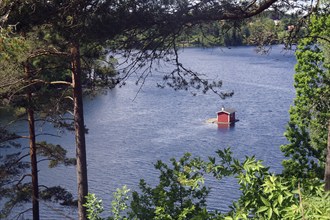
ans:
(272, 178)
(280, 199)
(262, 209)
(276, 211)
(265, 201)
(295, 192)
(247, 203)
(288, 194)
(270, 213)
(247, 178)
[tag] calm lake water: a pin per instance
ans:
(127, 135)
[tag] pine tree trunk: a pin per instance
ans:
(34, 166)
(327, 164)
(33, 153)
(79, 127)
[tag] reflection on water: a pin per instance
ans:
(226, 127)
(127, 136)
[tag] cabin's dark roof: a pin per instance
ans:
(227, 110)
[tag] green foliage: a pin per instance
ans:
(15, 187)
(7, 139)
(119, 203)
(55, 154)
(178, 195)
(312, 205)
(316, 207)
(233, 37)
(34, 59)
(13, 196)
(11, 168)
(94, 207)
(307, 129)
(98, 68)
(263, 32)
(11, 44)
(58, 194)
(12, 50)
(264, 195)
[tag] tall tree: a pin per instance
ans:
(17, 54)
(33, 148)
(307, 131)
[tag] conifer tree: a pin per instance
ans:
(20, 91)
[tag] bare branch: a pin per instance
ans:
(4, 85)
(18, 216)
(52, 82)
(47, 134)
(22, 157)
(45, 159)
(21, 179)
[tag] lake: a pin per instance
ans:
(129, 132)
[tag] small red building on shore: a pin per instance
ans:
(226, 116)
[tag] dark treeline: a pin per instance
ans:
(268, 28)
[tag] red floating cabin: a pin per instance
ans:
(226, 116)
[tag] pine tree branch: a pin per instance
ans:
(51, 83)
(43, 52)
(4, 84)
(21, 158)
(21, 179)
(47, 134)
(18, 216)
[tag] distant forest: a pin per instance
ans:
(268, 28)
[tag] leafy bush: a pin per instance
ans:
(181, 194)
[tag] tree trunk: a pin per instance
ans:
(79, 127)
(33, 152)
(327, 163)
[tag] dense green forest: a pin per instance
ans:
(54, 52)
(268, 28)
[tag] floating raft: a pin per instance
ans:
(212, 120)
